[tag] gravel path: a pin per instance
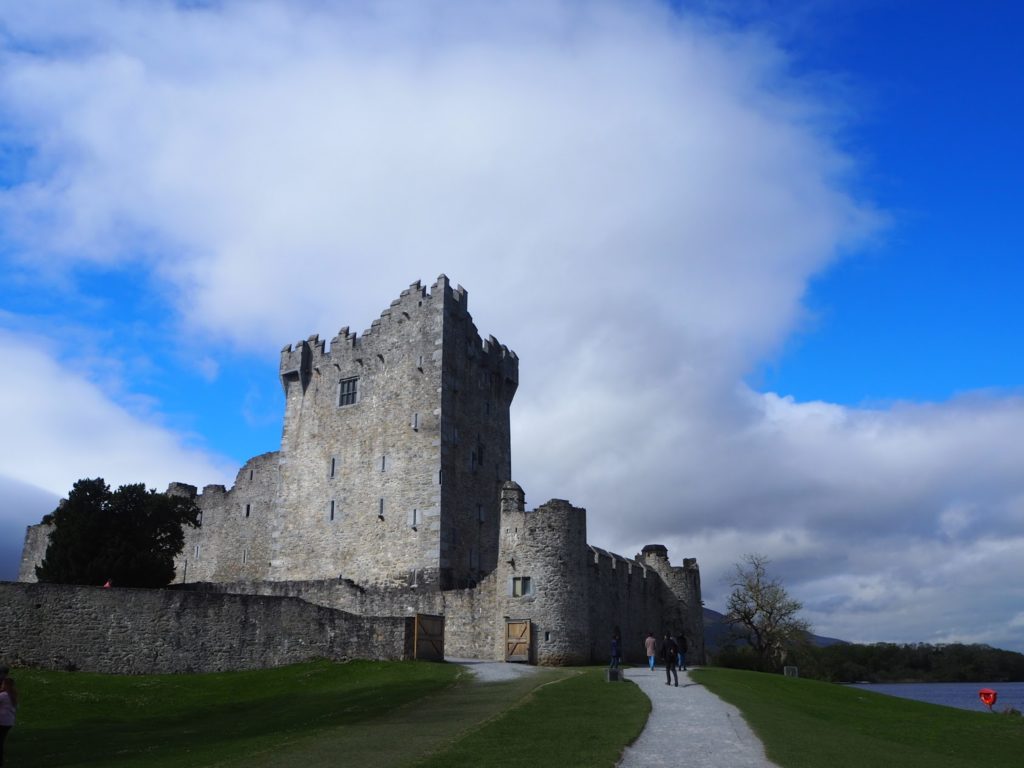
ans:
(494, 671)
(690, 727)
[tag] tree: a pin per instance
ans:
(763, 611)
(129, 536)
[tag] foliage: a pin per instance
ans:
(811, 724)
(919, 662)
(764, 614)
(129, 536)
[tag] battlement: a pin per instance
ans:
(602, 558)
(301, 359)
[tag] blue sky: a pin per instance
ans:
(791, 233)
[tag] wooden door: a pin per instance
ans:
(428, 638)
(517, 640)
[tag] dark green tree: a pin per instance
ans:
(129, 536)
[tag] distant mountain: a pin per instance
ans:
(717, 633)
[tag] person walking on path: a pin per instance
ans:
(670, 654)
(616, 651)
(681, 642)
(651, 645)
(715, 733)
(8, 706)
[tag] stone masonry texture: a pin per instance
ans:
(390, 495)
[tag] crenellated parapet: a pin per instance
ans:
(622, 567)
(349, 350)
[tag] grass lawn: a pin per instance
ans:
(323, 714)
(580, 721)
(810, 724)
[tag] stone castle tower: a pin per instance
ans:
(394, 448)
(391, 495)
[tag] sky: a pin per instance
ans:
(761, 263)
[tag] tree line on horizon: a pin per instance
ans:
(891, 662)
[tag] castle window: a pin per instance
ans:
(348, 391)
(414, 518)
(522, 586)
(383, 463)
(245, 556)
(250, 475)
(380, 508)
(200, 518)
(197, 551)
(330, 511)
(334, 465)
(547, 637)
(248, 509)
(480, 513)
(415, 422)
(474, 557)
(420, 364)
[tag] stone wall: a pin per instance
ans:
(37, 539)
(470, 616)
(633, 600)
(234, 539)
(139, 631)
(393, 482)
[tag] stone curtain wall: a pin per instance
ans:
(470, 614)
(632, 598)
(138, 631)
(233, 541)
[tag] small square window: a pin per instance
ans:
(521, 586)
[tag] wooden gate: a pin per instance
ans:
(517, 640)
(428, 638)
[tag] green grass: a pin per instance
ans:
(323, 714)
(580, 720)
(78, 719)
(810, 724)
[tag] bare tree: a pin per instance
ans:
(763, 612)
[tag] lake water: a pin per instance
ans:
(959, 695)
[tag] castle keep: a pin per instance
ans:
(391, 496)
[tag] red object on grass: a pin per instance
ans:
(988, 697)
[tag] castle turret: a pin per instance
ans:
(542, 576)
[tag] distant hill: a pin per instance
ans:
(717, 632)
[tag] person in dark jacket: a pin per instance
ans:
(670, 654)
(616, 650)
(681, 642)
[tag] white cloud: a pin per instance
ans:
(61, 427)
(636, 201)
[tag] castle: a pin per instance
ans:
(391, 495)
